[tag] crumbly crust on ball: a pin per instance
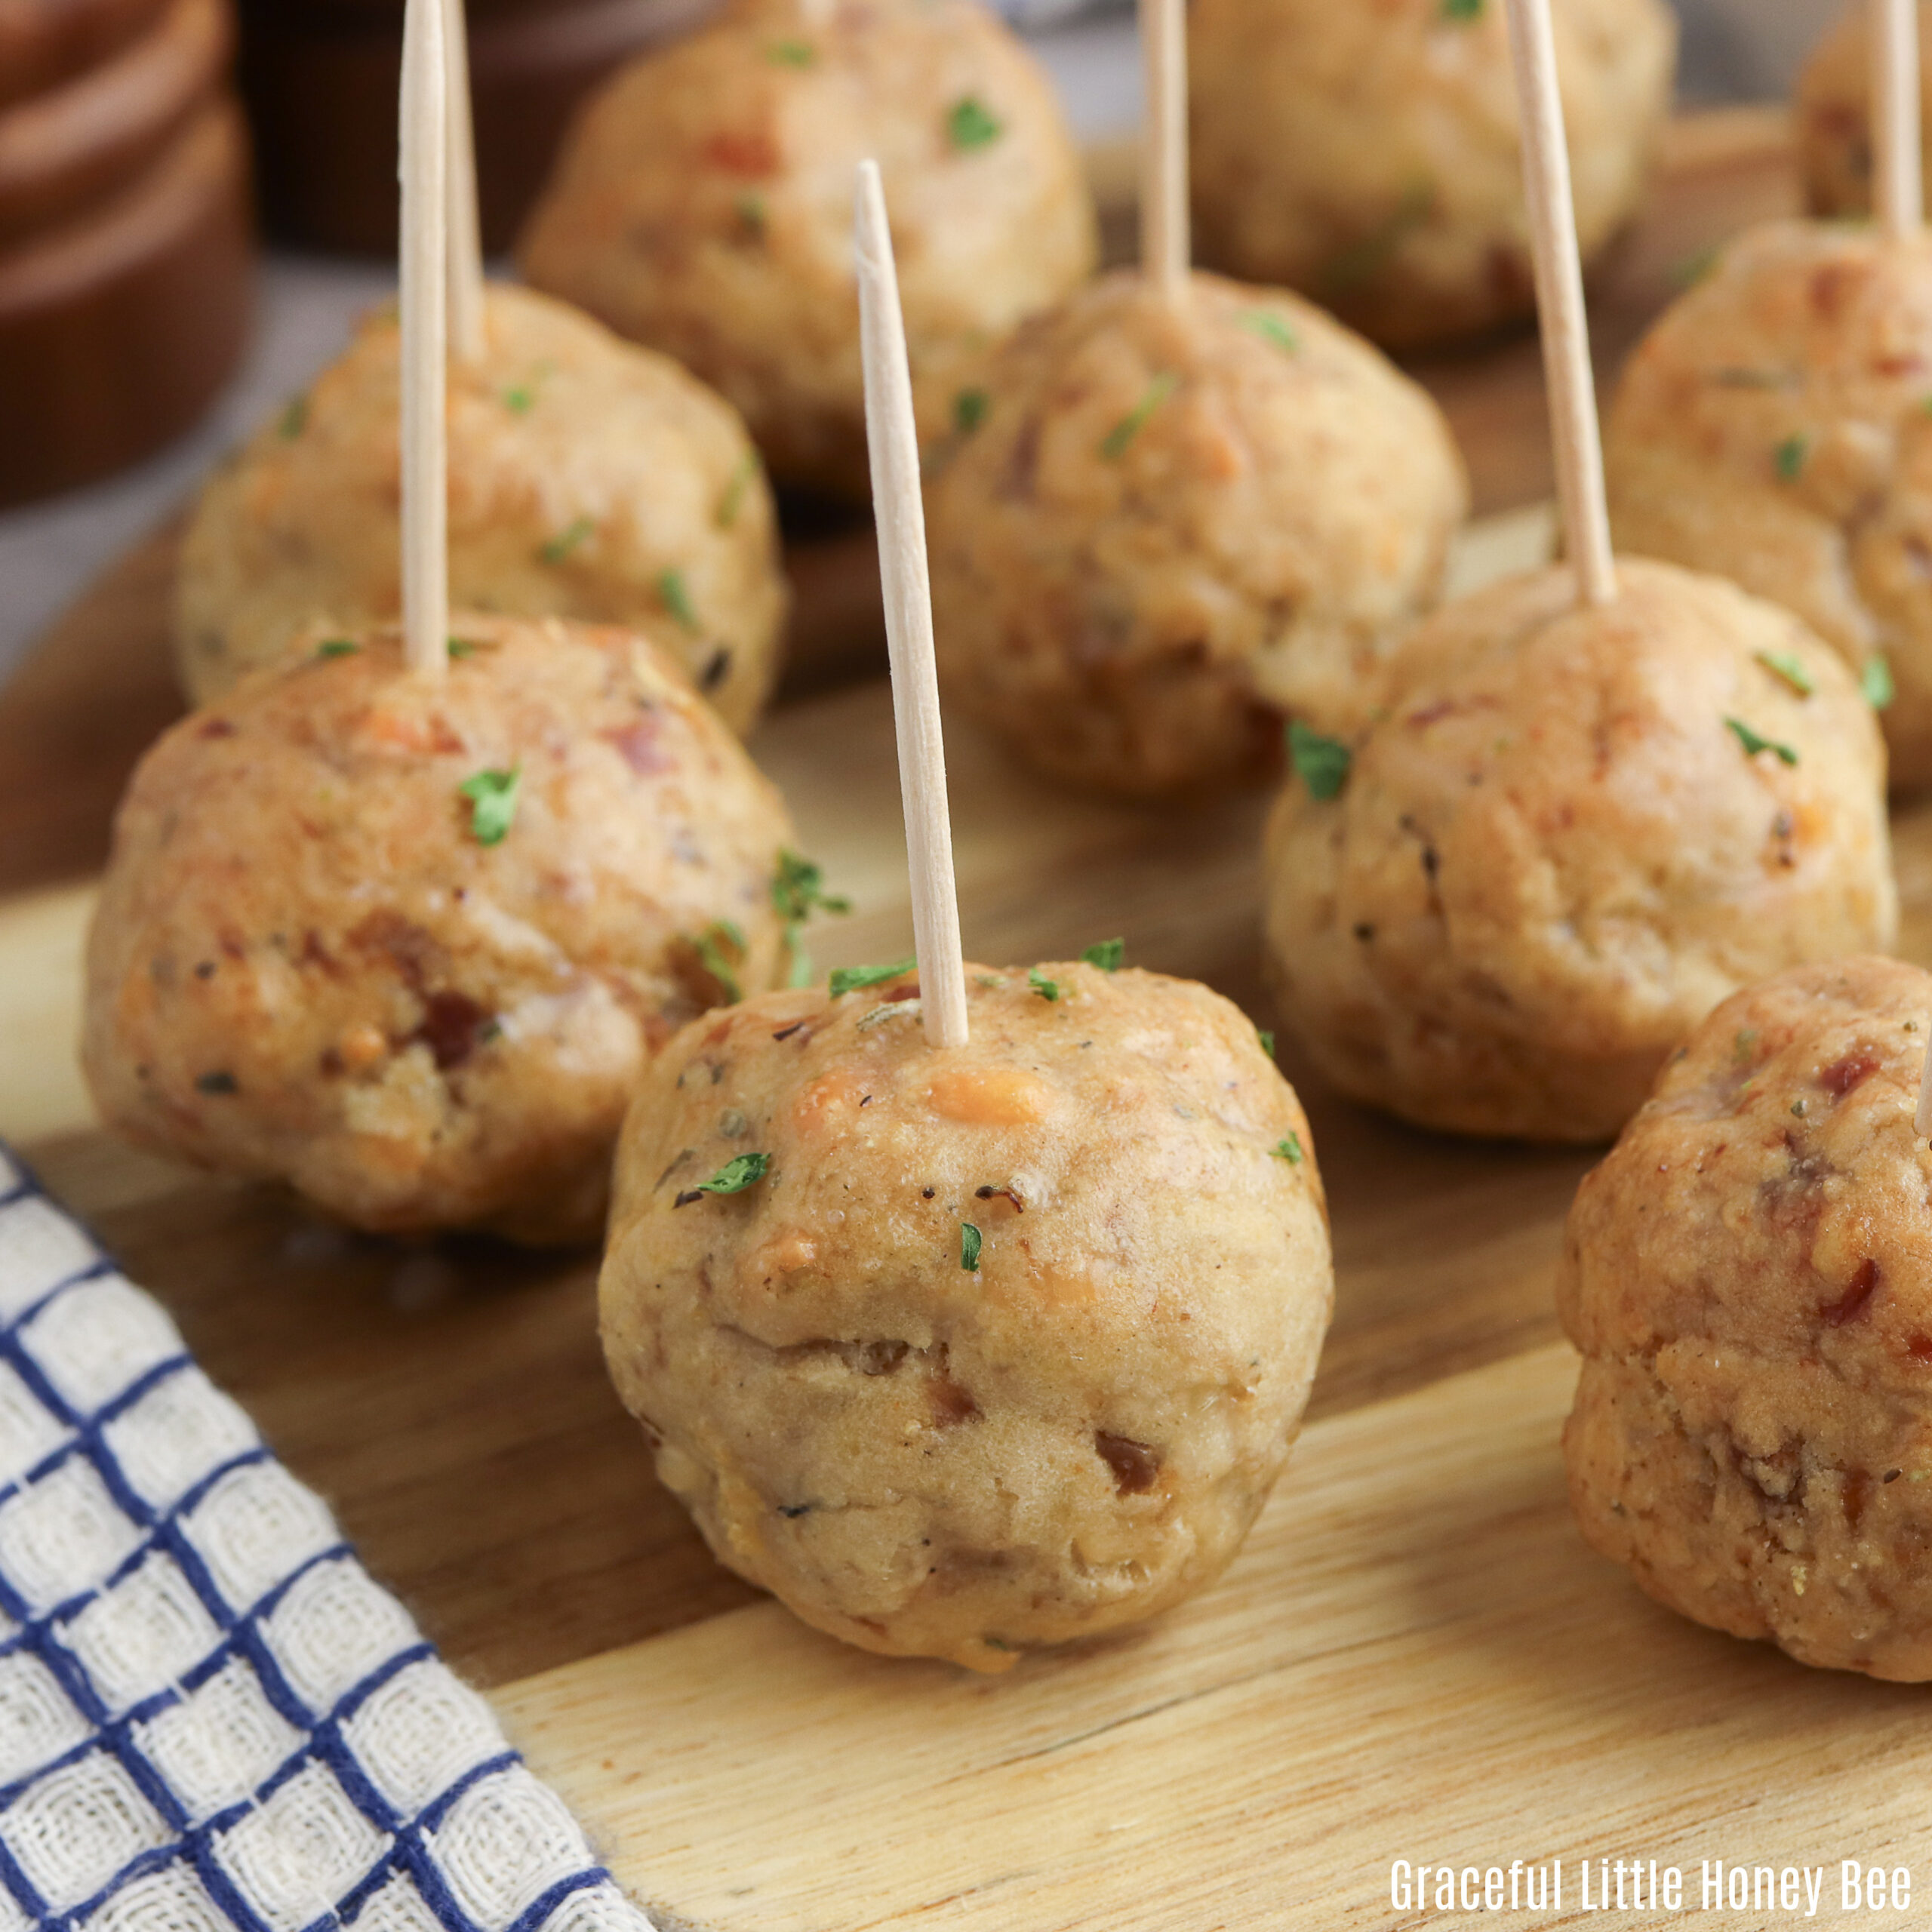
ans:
(1156, 529)
(307, 964)
(702, 204)
(1368, 155)
(1772, 428)
(588, 478)
(1748, 1276)
(926, 1460)
(1555, 853)
(1832, 107)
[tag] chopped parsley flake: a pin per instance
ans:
(570, 538)
(1109, 955)
(970, 1242)
(850, 978)
(733, 1177)
(734, 498)
(969, 410)
(1462, 10)
(677, 599)
(1875, 680)
(519, 399)
(1693, 268)
(790, 53)
(1789, 457)
(1289, 1150)
(1366, 257)
(1048, 989)
(492, 796)
(1267, 1040)
(1754, 743)
(1322, 763)
(462, 647)
(1114, 445)
(294, 418)
(969, 125)
(338, 647)
(797, 890)
(1270, 327)
(750, 211)
(1785, 665)
(721, 952)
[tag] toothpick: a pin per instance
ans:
(1164, 236)
(900, 517)
(424, 149)
(1898, 198)
(466, 228)
(1565, 330)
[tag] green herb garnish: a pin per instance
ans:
(1783, 664)
(790, 53)
(569, 538)
(492, 796)
(338, 647)
(721, 952)
(1875, 680)
(462, 647)
(797, 891)
(1462, 10)
(1789, 457)
(1270, 327)
(970, 1242)
(676, 599)
(294, 418)
(734, 498)
(1365, 258)
(1288, 1150)
(1048, 989)
(750, 211)
(1113, 446)
(1322, 763)
(1693, 268)
(969, 410)
(744, 1171)
(1267, 1040)
(519, 399)
(969, 124)
(850, 978)
(1109, 955)
(1754, 743)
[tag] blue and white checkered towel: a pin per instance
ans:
(210, 1716)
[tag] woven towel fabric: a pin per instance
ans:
(212, 1719)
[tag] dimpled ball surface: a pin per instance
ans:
(702, 204)
(1154, 530)
(928, 1460)
(1772, 428)
(1749, 1277)
(1368, 155)
(1555, 854)
(588, 478)
(305, 963)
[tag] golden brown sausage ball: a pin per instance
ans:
(1748, 1276)
(1155, 529)
(1368, 155)
(991, 1347)
(1833, 99)
(410, 946)
(702, 204)
(1569, 834)
(1772, 427)
(587, 478)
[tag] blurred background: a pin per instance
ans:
(207, 335)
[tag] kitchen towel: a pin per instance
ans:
(212, 1719)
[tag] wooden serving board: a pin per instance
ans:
(1415, 1657)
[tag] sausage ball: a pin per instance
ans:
(1772, 427)
(1368, 155)
(1833, 100)
(961, 1352)
(409, 945)
(588, 478)
(1155, 528)
(1748, 1276)
(702, 204)
(1571, 833)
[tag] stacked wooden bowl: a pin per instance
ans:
(124, 231)
(321, 78)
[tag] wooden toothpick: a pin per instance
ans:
(1164, 231)
(425, 153)
(1559, 276)
(466, 227)
(900, 517)
(1898, 193)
